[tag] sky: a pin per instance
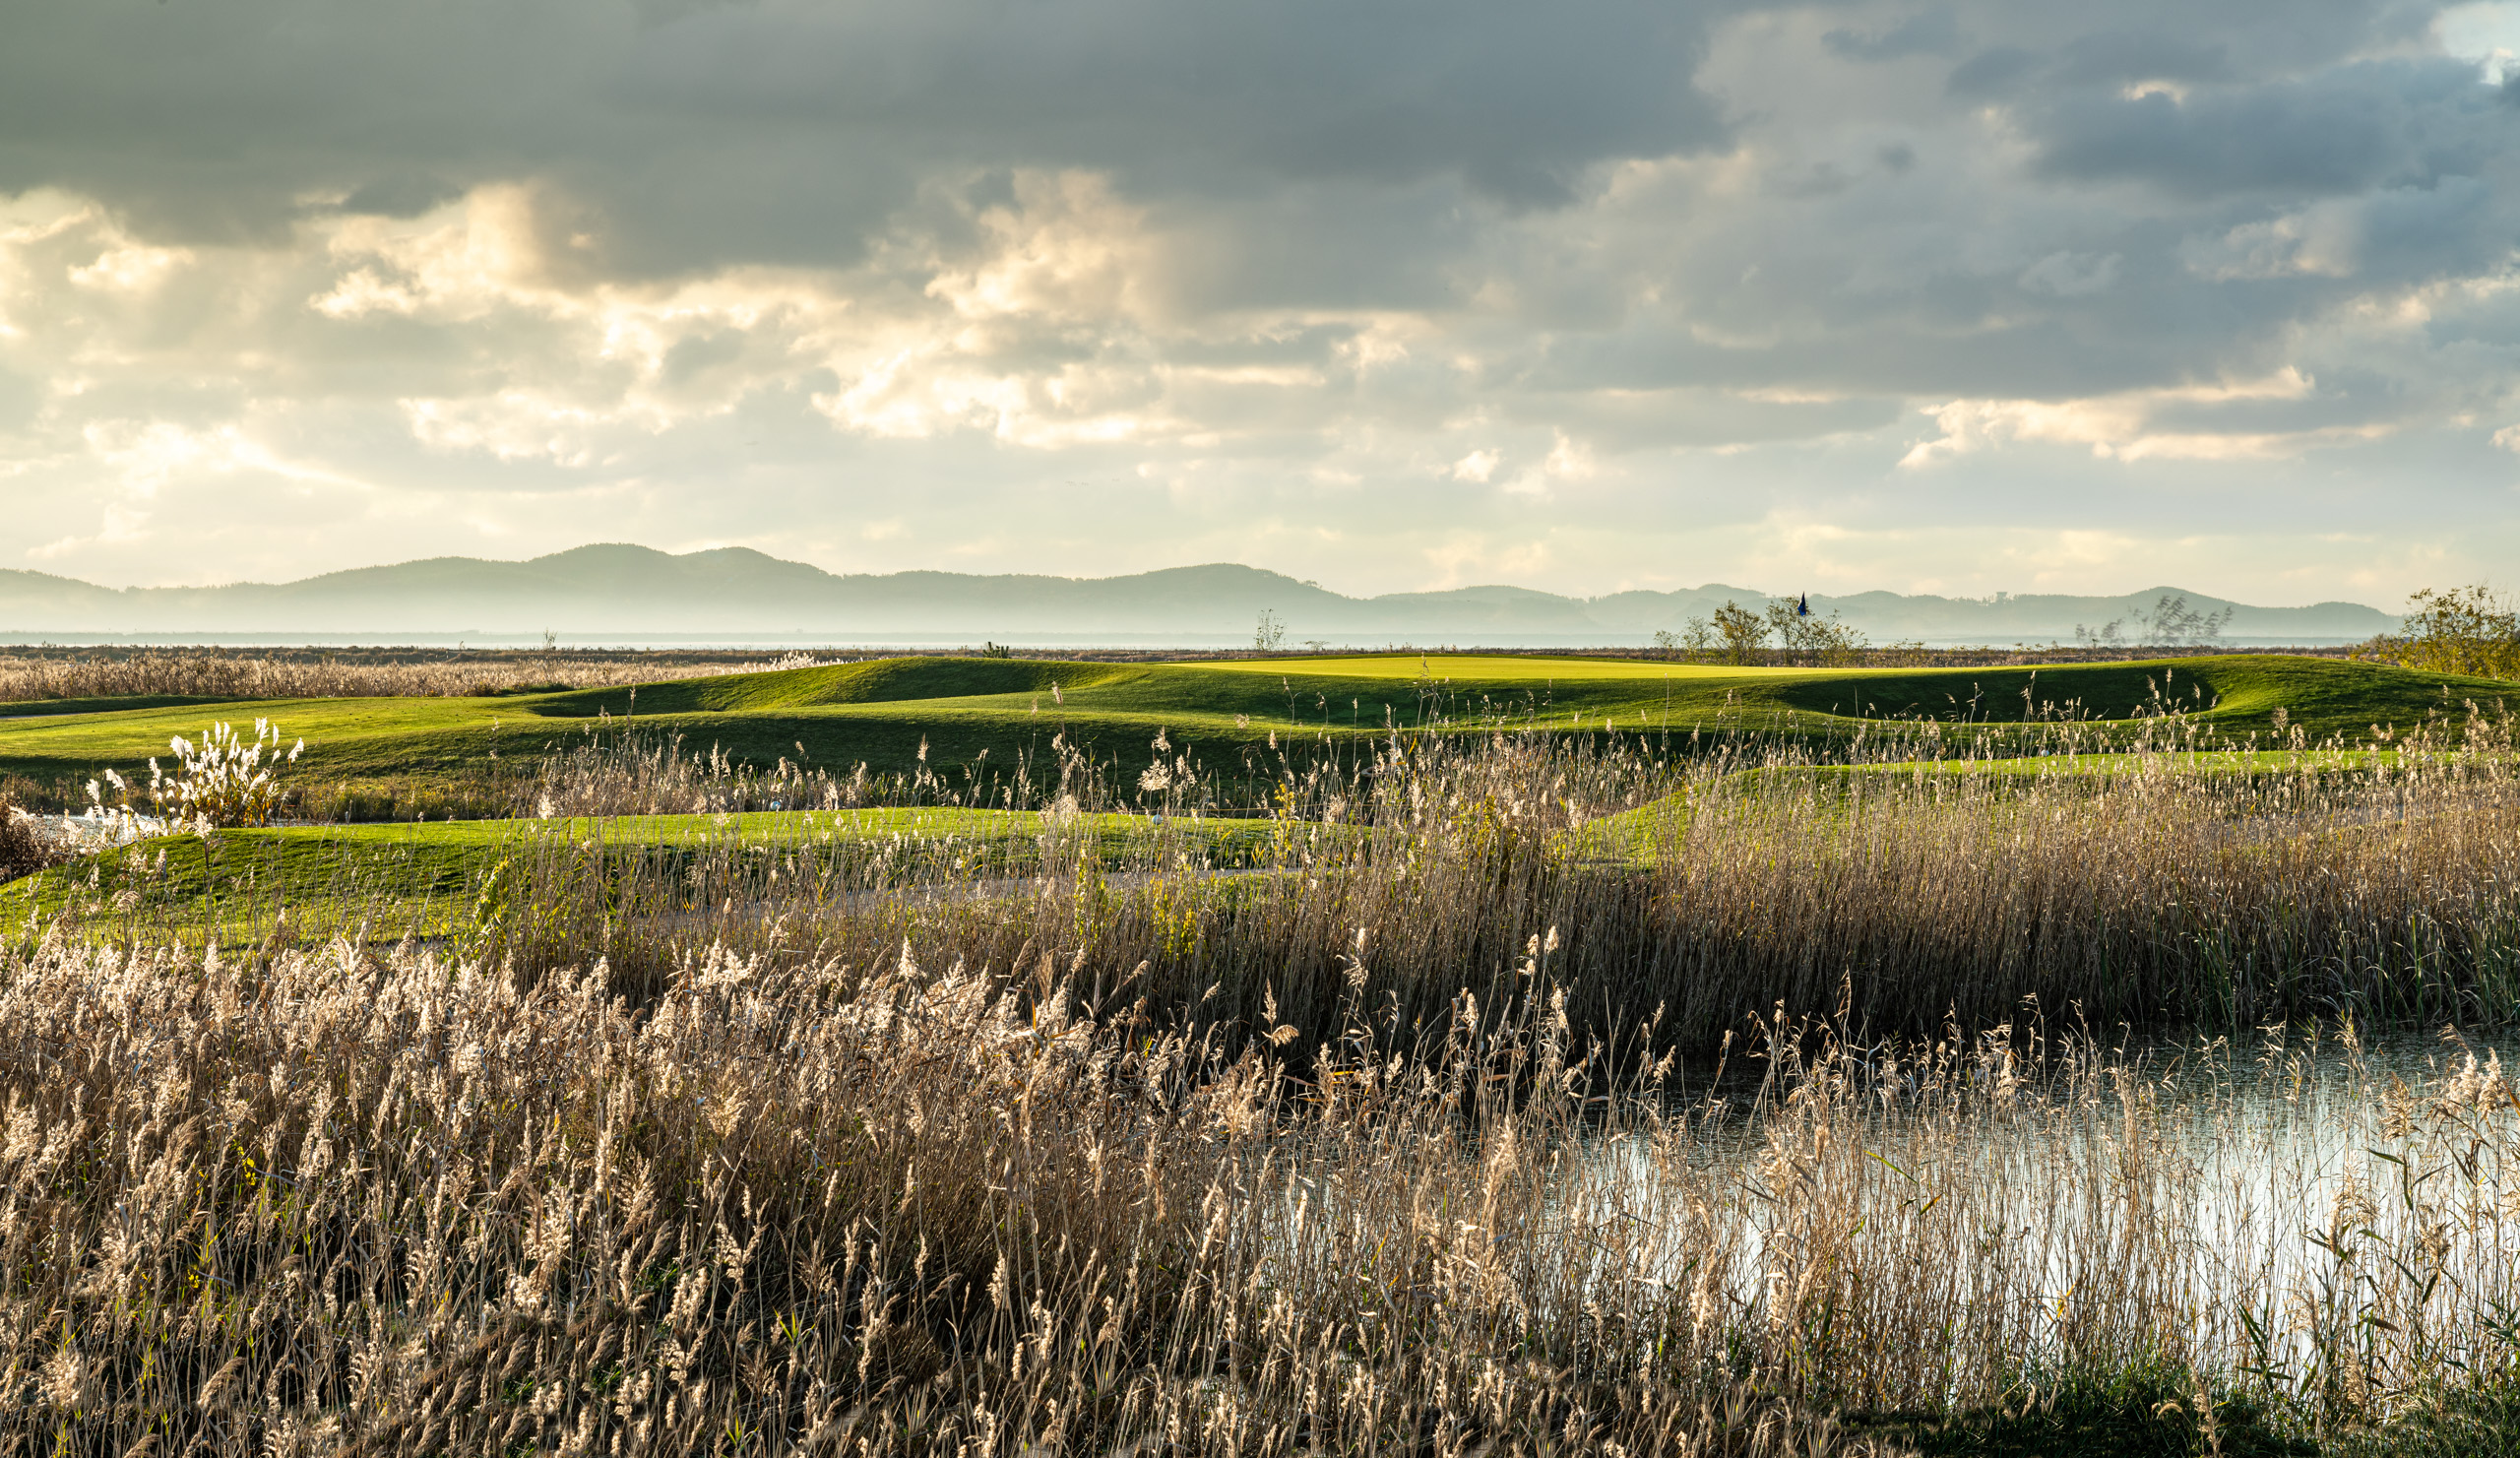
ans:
(2022, 295)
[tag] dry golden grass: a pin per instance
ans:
(349, 1201)
(26, 847)
(309, 675)
(1911, 897)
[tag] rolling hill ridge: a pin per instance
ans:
(615, 592)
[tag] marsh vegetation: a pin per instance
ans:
(1523, 1089)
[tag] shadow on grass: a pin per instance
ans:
(2137, 1414)
(2148, 1414)
(2470, 1423)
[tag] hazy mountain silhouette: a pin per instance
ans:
(623, 591)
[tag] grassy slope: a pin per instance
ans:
(424, 879)
(46, 708)
(882, 711)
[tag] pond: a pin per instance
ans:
(2314, 1219)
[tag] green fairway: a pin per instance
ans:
(1491, 668)
(978, 718)
(427, 879)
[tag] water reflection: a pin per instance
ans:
(2323, 1219)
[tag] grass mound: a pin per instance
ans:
(983, 722)
(878, 681)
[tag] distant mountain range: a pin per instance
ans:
(619, 594)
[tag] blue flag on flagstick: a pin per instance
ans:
(1802, 608)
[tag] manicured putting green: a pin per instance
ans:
(1485, 669)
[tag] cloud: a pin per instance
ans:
(2069, 275)
(1929, 32)
(2361, 126)
(2203, 422)
(1386, 287)
(788, 130)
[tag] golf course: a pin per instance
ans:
(952, 714)
(929, 742)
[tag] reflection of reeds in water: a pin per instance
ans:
(2322, 1244)
(353, 1202)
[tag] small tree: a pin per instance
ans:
(2173, 624)
(1271, 632)
(1833, 642)
(1742, 632)
(1808, 639)
(1693, 644)
(2462, 630)
(1787, 626)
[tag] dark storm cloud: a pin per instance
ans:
(2289, 177)
(1931, 33)
(2117, 58)
(786, 129)
(1514, 98)
(2032, 50)
(404, 195)
(2345, 131)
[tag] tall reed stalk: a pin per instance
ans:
(1907, 896)
(352, 1202)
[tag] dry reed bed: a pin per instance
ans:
(235, 675)
(346, 1201)
(2152, 894)
(1903, 901)
(1380, 1148)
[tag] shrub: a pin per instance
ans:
(2462, 630)
(25, 848)
(1829, 641)
(225, 780)
(1743, 633)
